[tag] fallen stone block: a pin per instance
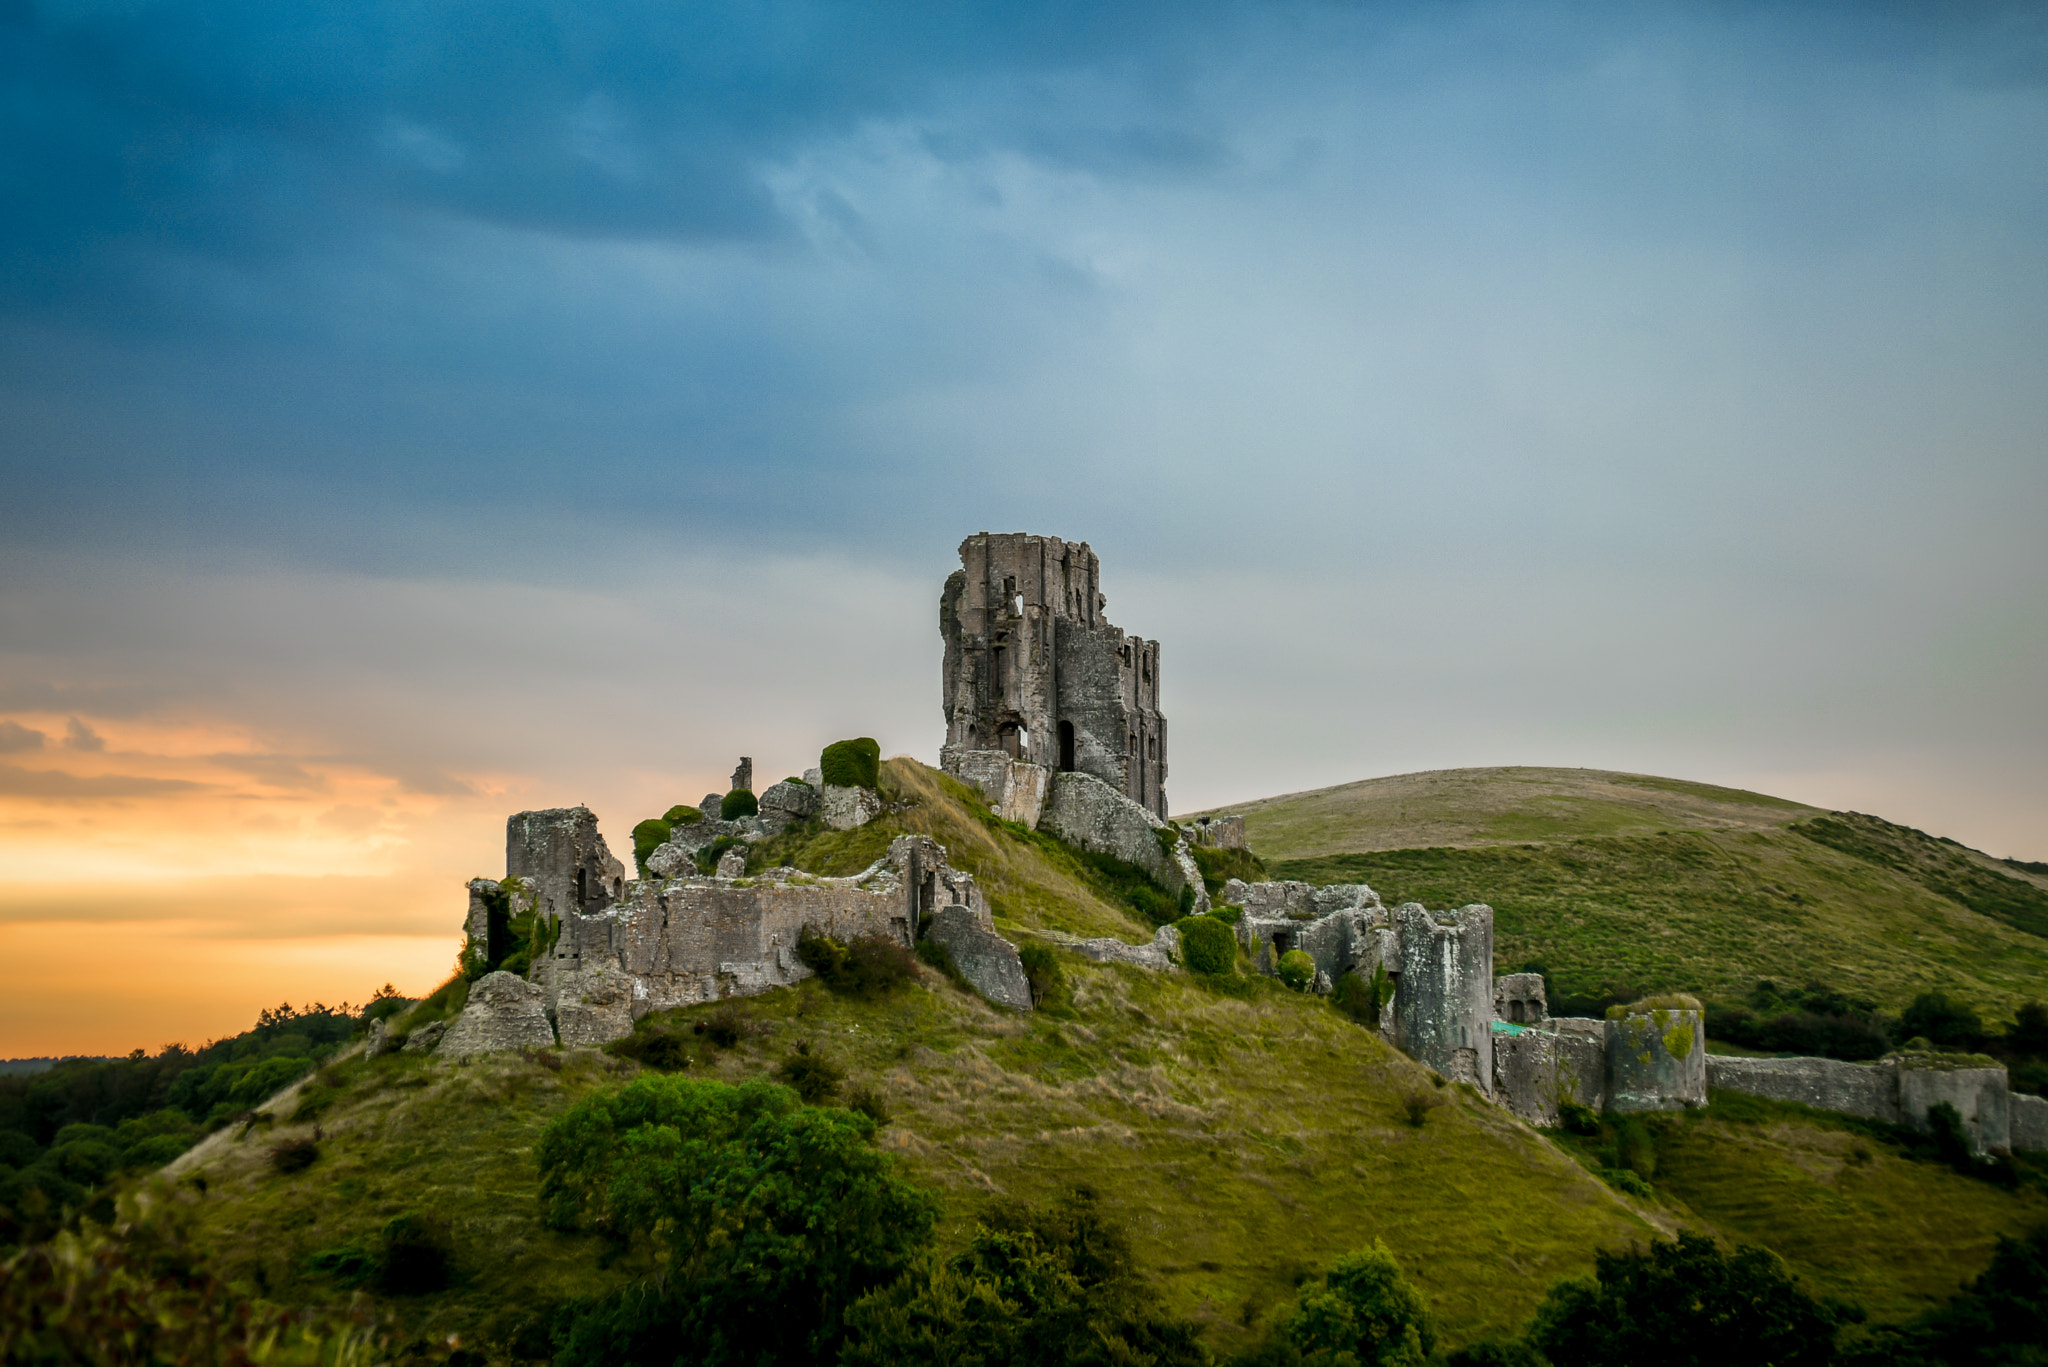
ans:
(423, 1040)
(846, 809)
(988, 962)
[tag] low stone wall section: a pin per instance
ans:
(1979, 1095)
(2029, 1121)
(1867, 1090)
(1162, 955)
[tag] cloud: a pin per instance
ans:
(55, 785)
(275, 771)
(16, 738)
(79, 736)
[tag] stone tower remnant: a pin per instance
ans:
(560, 853)
(1035, 675)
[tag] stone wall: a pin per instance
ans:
(1216, 832)
(2029, 1121)
(1538, 1068)
(989, 963)
(504, 1011)
(1519, 999)
(1978, 1094)
(1859, 1089)
(1657, 1061)
(560, 852)
(1016, 789)
(1443, 1005)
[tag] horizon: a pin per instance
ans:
(409, 417)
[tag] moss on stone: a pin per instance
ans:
(851, 763)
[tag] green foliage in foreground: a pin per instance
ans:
(1687, 1304)
(736, 804)
(1296, 969)
(766, 1218)
(1035, 1287)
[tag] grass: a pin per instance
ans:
(1243, 1134)
(1245, 1139)
(1464, 807)
(1710, 912)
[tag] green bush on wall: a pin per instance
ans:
(1207, 945)
(852, 763)
(680, 815)
(736, 804)
(1297, 969)
(649, 836)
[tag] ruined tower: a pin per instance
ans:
(1034, 672)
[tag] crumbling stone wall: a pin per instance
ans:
(1443, 1004)
(1216, 832)
(989, 963)
(1033, 670)
(1898, 1090)
(1342, 927)
(1088, 813)
(560, 853)
(1519, 999)
(1536, 1069)
(1860, 1089)
(1657, 1061)
(504, 1011)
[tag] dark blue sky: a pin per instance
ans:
(1643, 386)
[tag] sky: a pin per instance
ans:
(412, 413)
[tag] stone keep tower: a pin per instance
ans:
(1034, 672)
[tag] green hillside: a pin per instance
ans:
(1622, 883)
(1242, 1134)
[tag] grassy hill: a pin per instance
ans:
(1244, 1135)
(1625, 883)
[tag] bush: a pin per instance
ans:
(1363, 998)
(1943, 1020)
(1686, 1304)
(1041, 970)
(868, 967)
(1495, 1353)
(1417, 1104)
(1207, 945)
(1296, 969)
(680, 815)
(295, 1155)
(869, 1103)
(777, 1217)
(1998, 1320)
(418, 1254)
(1577, 1119)
(1220, 866)
(1034, 1285)
(1635, 1149)
(1366, 1310)
(852, 763)
(815, 1078)
(724, 1026)
(1621, 1179)
(649, 836)
(662, 1050)
(736, 804)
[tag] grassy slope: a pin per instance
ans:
(1244, 1140)
(1623, 882)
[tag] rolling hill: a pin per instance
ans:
(1621, 884)
(1243, 1135)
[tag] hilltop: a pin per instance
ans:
(1620, 884)
(1243, 1134)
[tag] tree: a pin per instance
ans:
(1035, 1287)
(1365, 1309)
(768, 1218)
(1686, 1305)
(1941, 1019)
(1998, 1320)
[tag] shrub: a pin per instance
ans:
(815, 1078)
(777, 1217)
(680, 815)
(1229, 914)
(1207, 945)
(1943, 1020)
(736, 804)
(295, 1155)
(649, 836)
(1363, 998)
(869, 1103)
(418, 1254)
(1219, 866)
(1417, 1105)
(1621, 1179)
(709, 855)
(1041, 970)
(1365, 1310)
(724, 1026)
(868, 967)
(1495, 1353)
(662, 1050)
(1577, 1119)
(1296, 969)
(1635, 1148)
(852, 763)
(1682, 1304)
(1665, 1001)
